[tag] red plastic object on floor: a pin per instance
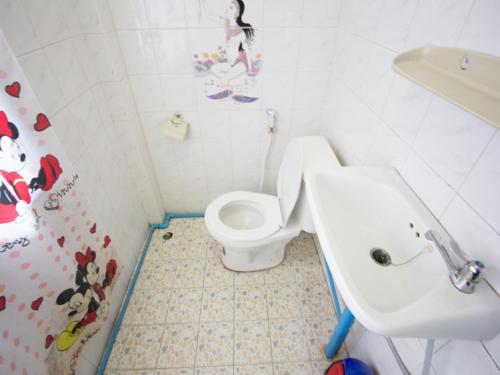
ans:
(348, 366)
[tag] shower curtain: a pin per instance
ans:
(57, 264)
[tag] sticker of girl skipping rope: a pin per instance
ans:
(230, 73)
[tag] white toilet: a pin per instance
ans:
(254, 228)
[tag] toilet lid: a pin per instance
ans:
(268, 205)
(290, 179)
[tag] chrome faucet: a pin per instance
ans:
(464, 278)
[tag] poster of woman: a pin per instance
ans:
(230, 72)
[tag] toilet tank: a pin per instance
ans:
(316, 154)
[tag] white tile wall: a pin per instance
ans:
(449, 157)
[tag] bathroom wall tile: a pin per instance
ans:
(288, 342)
(246, 125)
(252, 342)
(283, 301)
(246, 179)
(184, 305)
(278, 90)
(292, 368)
(147, 92)
(483, 183)
(39, 72)
(138, 51)
(318, 331)
(147, 307)
(217, 275)
(305, 123)
(463, 357)
(63, 59)
(250, 302)
(189, 273)
(321, 13)
(253, 370)
(310, 90)
(493, 347)
(438, 23)
(118, 97)
(87, 14)
(199, 15)
(406, 107)
(70, 136)
(166, 14)
(218, 304)
(18, 28)
(316, 49)
(283, 13)
(179, 92)
(280, 49)
(475, 237)
(215, 344)
(481, 29)
(451, 140)
(178, 345)
(128, 14)
(172, 51)
(139, 347)
(433, 191)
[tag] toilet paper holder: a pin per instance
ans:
(176, 127)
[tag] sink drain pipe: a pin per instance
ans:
(133, 281)
(429, 350)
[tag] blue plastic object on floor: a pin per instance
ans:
(349, 366)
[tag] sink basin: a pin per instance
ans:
(371, 227)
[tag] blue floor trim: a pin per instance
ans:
(338, 337)
(128, 294)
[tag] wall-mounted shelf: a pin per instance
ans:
(467, 78)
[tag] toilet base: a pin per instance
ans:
(253, 259)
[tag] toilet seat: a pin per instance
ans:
(267, 205)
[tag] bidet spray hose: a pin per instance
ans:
(271, 122)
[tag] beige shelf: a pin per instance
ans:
(467, 78)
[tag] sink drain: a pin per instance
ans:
(380, 256)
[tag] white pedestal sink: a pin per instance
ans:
(358, 209)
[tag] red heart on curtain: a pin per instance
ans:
(93, 228)
(35, 305)
(42, 122)
(14, 89)
(3, 302)
(48, 341)
(60, 241)
(107, 241)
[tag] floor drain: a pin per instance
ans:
(168, 236)
(380, 256)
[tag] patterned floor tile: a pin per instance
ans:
(250, 302)
(252, 342)
(217, 275)
(249, 278)
(318, 331)
(315, 300)
(184, 305)
(280, 274)
(156, 276)
(175, 371)
(214, 249)
(140, 347)
(189, 273)
(215, 344)
(283, 301)
(178, 346)
(147, 306)
(218, 304)
(319, 367)
(288, 340)
(265, 369)
(309, 272)
(296, 368)
(183, 246)
(135, 372)
(214, 371)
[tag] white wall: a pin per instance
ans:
(449, 157)
(223, 149)
(69, 51)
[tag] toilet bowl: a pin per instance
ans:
(254, 228)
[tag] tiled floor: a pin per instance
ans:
(190, 315)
